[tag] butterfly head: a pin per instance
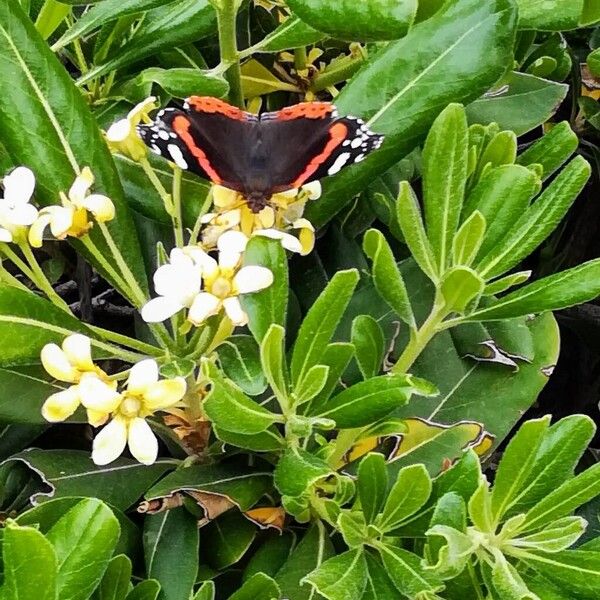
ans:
(257, 200)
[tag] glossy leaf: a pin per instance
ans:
(468, 239)
(342, 577)
(369, 343)
(258, 587)
(505, 105)
(30, 565)
(182, 82)
(459, 287)
(552, 16)
(171, 546)
(312, 384)
(36, 89)
(91, 529)
(368, 21)
(379, 586)
(372, 485)
(146, 590)
(321, 322)
(240, 360)
(297, 470)
(206, 591)
(269, 305)
(462, 50)
(116, 580)
(386, 276)
(292, 33)
(272, 357)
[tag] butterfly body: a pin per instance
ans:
(259, 156)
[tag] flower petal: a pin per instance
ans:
(140, 109)
(57, 364)
(110, 442)
(223, 197)
(62, 405)
(36, 232)
(78, 348)
(313, 189)
(97, 394)
(83, 182)
(165, 393)
(232, 241)
(100, 206)
(160, 309)
(19, 185)
(289, 242)
(252, 279)
(23, 214)
(119, 131)
(202, 259)
(96, 418)
(234, 311)
(142, 441)
(6, 236)
(61, 220)
(229, 260)
(266, 217)
(142, 375)
(204, 306)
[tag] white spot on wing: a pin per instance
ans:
(356, 142)
(177, 156)
(340, 161)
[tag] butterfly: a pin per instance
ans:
(259, 156)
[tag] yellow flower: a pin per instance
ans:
(72, 363)
(144, 395)
(72, 218)
(122, 135)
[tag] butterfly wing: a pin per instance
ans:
(209, 137)
(310, 141)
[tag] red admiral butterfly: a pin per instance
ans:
(259, 156)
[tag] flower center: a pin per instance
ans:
(221, 288)
(130, 407)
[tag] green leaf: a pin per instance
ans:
(367, 401)
(297, 470)
(508, 583)
(407, 496)
(551, 16)
(459, 287)
(271, 555)
(365, 21)
(242, 486)
(410, 220)
(516, 465)
(321, 322)
(372, 485)
(240, 360)
(552, 150)
(36, 89)
(116, 580)
(379, 585)
(353, 527)
(455, 554)
(228, 538)
(272, 357)
(182, 82)
(386, 276)
(502, 195)
(558, 536)
(72, 473)
(342, 577)
(567, 288)
(538, 221)
(444, 179)
(292, 33)
(463, 49)
(206, 591)
(105, 12)
(30, 564)
(560, 502)
(369, 343)
(593, 63)
(165, 27)
(468, 239)
(312, 384)
(575, 571)
(269, 305)
(480, 508)
(171, 547)
(269, 440)
(314, 548)
(229, 408)
(84, 540)
(505, 106)
(504, 283)
(405, 570)
(258, 587)
(146, 590)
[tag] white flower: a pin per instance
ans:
(303, 244)
(225, 280)
(145, 395)
(72, 219)
(72, 363)
(122, 135)
(16, 212)
(177, 284)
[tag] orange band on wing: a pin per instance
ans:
(337, 134)
(308, 110)
(209, 104)
(181, 126)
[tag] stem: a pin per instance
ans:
(156, 182)
(82, 64)
(16, 260)
(300, 58)
(198, 224)
(337, 73)
(40, 279)
(226, 21)
(176, 214)
(419, 339)
(125, 340)
(10, 279)
(125, 355)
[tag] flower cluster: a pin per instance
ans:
(195, 281)
(125, 410)
(16, 212)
